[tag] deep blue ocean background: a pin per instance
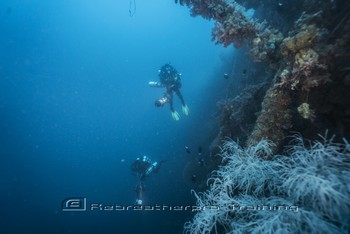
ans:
(76, 110)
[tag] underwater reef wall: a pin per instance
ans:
(237, 116)
(274, 119)
(308, 53)
(306, 45)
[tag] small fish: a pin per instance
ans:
(199, 150)
(244, 71)
(194, 178)
(201, 162)
(226, 76)
(187, 150)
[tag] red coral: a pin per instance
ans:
(231, 26)
(311, 75)
(234, 29)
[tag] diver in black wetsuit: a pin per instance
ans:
(171, 80)
(182, 2)
(142, 168)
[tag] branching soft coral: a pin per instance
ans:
(318, 177)
(248, 171)
(278, 221)
(314, 180)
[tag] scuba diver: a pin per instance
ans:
(143, 168)
(171, 80)
(182, 2)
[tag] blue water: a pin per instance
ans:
(76, 110)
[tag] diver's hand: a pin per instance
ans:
(153, 84)
(175, 115)
(185, 110)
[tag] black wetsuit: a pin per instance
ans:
(139, 168)
(171, 80)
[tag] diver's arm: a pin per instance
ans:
(155, 84)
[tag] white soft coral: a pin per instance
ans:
(315, 179)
